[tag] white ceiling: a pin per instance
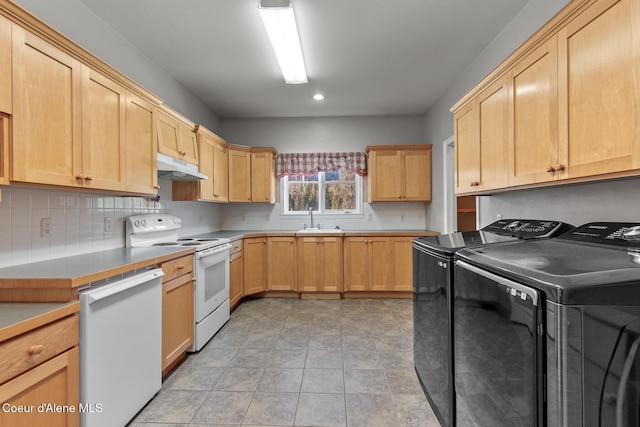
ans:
(368, 57)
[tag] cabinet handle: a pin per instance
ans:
(156, 187)
(193, 280)
(475, 183)
(88, 178)
(78, 177)
(551, 169)
(560, 167)
(180, 267)
(36, 349)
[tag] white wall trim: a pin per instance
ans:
(450, 217)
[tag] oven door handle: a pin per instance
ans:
(209, 252)
(505, 282)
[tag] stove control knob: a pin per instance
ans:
(144, 222)
(631, 233)
(137, 223)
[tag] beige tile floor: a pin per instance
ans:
(288, 362)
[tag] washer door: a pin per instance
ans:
(620, 400)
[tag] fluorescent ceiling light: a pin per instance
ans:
(280, 23)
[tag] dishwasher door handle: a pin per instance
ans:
(122, 285)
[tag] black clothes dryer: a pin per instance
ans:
(547, 332)
(432, 287)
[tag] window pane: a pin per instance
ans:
(303, 195)
(340, 196)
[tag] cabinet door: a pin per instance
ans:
(55, 381)
(281, 263)
(141, 146)
(385, 175)
(493, 108)
(308, 254)
(467, 148)
(188, 144)
(47, 128)
(329, 264)
(207, 168)
(6, 90)
(598, 54)
(103, 132)
(168, 136)
(239, 176)
(379, 263)
(356, 263)
(220, 173)
(533, 109)
(236, 278)
(177, 318)
(255, 265)
(401, 258)
(262, 178)
(416, 175)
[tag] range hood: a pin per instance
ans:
(177, 170)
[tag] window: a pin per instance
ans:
(334, 192)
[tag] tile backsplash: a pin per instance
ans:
(78, 221)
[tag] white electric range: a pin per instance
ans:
(211, 268)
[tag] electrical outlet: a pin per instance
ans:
(45, 227)
(402, 216)
(370, 217)
(499, 217)
(419, 217)
(108, 225)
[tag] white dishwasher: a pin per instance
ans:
(120, 347)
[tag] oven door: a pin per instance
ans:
(497, 350)
(212, 280)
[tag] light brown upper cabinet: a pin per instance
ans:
(263, 175)
(599, 87)
(142, 176)
(213, 155)
(399, 173)
(47, 131)
(533, 99)
(239, 174)
(481, 135)
(176, 136)
(573, 98)
(74, 126)
(6, 89)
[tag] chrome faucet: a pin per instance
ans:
(311, 213)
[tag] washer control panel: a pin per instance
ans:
(623, 234)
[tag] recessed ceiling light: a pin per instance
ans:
(318, 97)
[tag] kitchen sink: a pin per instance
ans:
(320, 230)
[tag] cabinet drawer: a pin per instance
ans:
(25, 351)
(236, 246)
(177, 267)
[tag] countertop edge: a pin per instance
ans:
(48, 315)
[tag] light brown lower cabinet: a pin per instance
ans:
(177, 310)
(41, 367)
(54, 384)
(236, 274)
(255, 265)
(319, 264)
(401, 257)
(281, 263)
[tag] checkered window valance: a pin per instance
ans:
(294, 164)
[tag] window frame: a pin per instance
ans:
(322, 211)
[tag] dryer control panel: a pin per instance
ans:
(528, 228)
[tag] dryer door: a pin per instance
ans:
(620, 400)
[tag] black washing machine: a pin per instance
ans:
(432, 285)
(547, 332)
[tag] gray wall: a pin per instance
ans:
(295, 135)
(80, 24)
